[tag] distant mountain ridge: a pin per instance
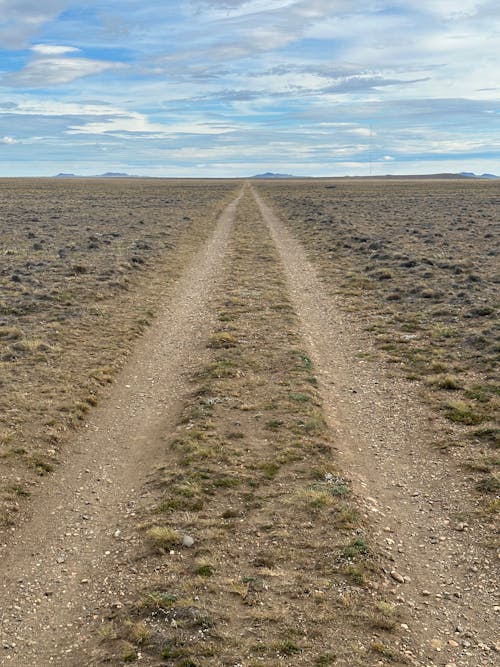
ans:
(108, 174)
(270, 174)
(462, 174)
(471, 174)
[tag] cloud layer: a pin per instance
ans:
(232, 87)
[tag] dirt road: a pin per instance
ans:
(81, 555)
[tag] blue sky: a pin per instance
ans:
(237, 87)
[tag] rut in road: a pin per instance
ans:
(415, 498)
(58, 568)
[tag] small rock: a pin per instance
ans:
(397, 577)
(452, 643)
(426, 593)
(437, 644)
(187, 541)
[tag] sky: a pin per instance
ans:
(232, 88)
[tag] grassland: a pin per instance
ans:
(416, 264)
(83, 265)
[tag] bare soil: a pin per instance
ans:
(440, 541)
(258, 487)
(83, 266)
(58, 567)
(416, 265)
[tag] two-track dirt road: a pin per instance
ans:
(76, 556)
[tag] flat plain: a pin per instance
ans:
(249, 423)
(417, 264)
(83, 264)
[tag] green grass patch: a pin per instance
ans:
(462, 413)
(356, 548)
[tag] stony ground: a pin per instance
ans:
(257, 487)
(83, 266)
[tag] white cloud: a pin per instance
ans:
(449, 9)
(340, 124)
(52, 50)
(57, 108)
(53, 71)
(21, 19)
(285, 81)
(223, 8)
(136, 123)
(268, 38)
(362, 132)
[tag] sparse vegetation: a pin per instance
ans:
(251, 477)
(252, 545)
(415, 265)
(164, 537)
(84, 266)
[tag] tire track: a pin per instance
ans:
(447, 577)
(59, 567)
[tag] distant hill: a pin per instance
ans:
(108, 174)
(464, 174)
(269, 174)
(422, 177)
(471, 174)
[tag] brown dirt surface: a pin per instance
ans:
(416, 266)
(440, 539)
(83, 266)
(58, 567)
(281, 566)
(259, 486)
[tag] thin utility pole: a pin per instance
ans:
(370, 148)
